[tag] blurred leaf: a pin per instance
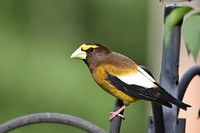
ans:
(191, 34)
(172, 19)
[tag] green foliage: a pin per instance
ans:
(191, 34)
(190, 29)
(172, 19)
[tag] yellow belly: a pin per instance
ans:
(100, 77)
(119, 94)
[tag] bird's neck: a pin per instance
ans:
(92, 65)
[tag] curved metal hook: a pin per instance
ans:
(186, 79)
(50, 118)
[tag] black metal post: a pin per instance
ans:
(165, 119)
(170, 76)
(115, 124)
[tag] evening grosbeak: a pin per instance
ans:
(122, 77)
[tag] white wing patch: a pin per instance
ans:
(140, 78)
(146, 74)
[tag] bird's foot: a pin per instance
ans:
(114, 114)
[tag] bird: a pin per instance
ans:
(123, 78)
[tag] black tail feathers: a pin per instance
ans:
(177, 102)
(168, 97)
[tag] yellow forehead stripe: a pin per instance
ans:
(85, 47)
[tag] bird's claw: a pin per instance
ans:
(114, 114)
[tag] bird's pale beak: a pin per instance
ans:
(79, 54)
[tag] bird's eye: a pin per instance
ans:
(90, 49)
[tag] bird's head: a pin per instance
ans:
(91, 53)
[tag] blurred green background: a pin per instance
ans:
(37, 38)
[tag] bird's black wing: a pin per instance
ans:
(150, 94)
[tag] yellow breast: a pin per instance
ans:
(100, 77)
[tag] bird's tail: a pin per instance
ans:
(173, 100)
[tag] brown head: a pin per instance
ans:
(92, 54)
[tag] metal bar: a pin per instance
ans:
(115, 124)
(50, 118)
(169, 73)
(157, 120)
(185, 80)
(165, 119)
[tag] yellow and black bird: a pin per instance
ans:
(122, 77)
